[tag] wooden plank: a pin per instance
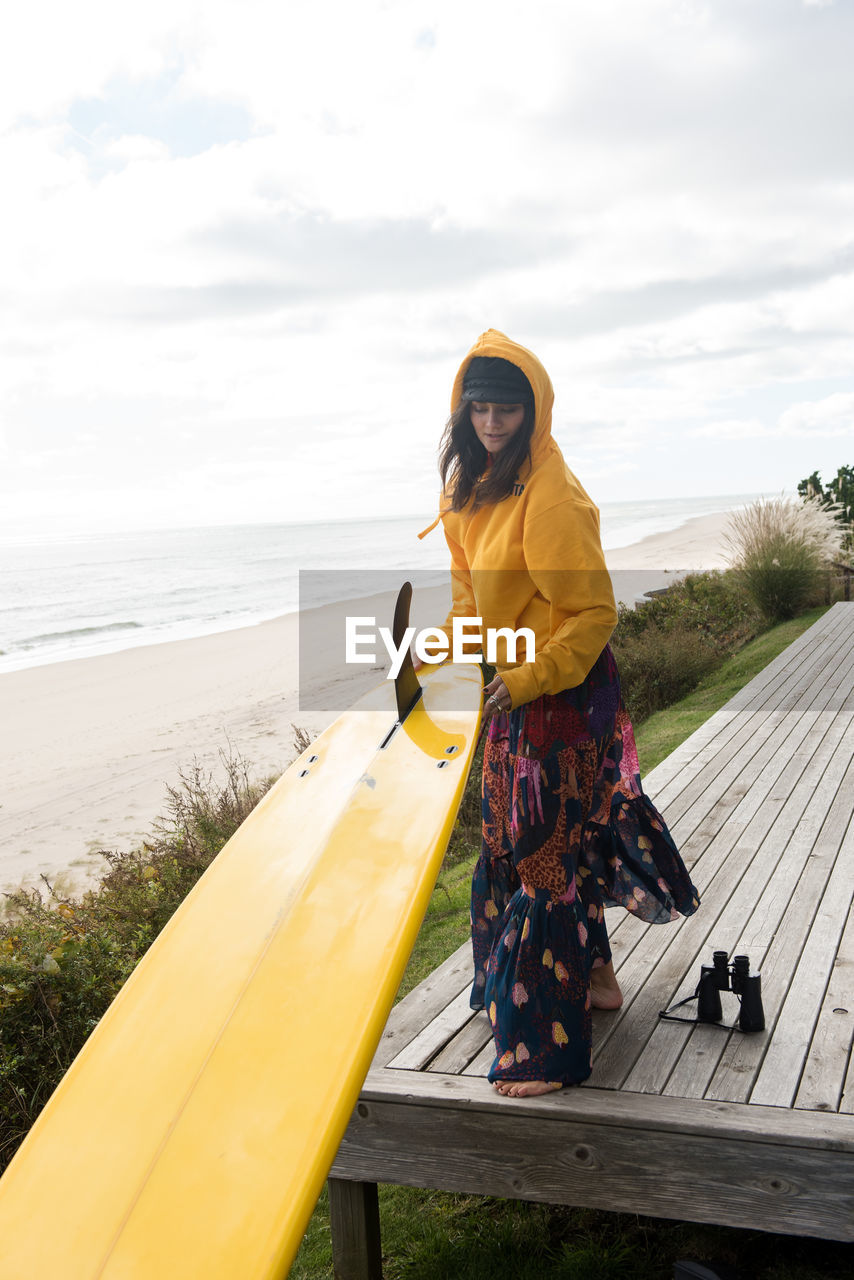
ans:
(697, 1062)
(666, 972)
(846, 1104)
(424, 1002)
(641, 1111)
(465, 1046)
(734, 849)
(561, 1156)
(728, 772)
(821, 728)
(752, 705)
(824, 1073)
(480, 1065)
(624, 933)
(716, 832)
(434, 1035)
(354, 1219)
(661, 970)
(769, 837)
(649, 988)
(779, 1076)
(709, 874)
(742, 1057)
(729, 800)
(757, 690)
(397, 1035)
(757, 723)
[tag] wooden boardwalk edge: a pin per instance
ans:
(682, 1122)
(607, 1108)
(562, 1157)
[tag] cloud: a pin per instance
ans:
(723, 95)
(833, 416)
(607, 310)
(829, 417)
(316, 254)
(250, 231)
(735, 429)
(62, 52)
(152, 110)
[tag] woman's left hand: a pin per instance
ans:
(496, 697)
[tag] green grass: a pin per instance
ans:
(446, 924)
(663, 731)
(436, 1235)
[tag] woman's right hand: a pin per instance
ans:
(497, 697)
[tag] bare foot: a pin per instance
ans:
(605, 991)
(525, 1088)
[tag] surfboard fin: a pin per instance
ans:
(407, 690)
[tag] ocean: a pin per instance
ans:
(92, 594)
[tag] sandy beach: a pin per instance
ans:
(90, 745)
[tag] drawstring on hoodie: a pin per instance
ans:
(431, 527)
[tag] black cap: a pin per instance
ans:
(496, 381)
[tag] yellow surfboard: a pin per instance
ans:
(193, 1133)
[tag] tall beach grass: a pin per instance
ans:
(781, 547)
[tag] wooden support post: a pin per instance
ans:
(354, 1216)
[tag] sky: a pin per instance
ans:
(244, 246)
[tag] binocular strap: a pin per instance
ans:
(669, 1016)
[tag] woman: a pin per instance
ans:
(567, 829)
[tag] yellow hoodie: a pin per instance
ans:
(535, 559)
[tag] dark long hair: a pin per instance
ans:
(462, 460)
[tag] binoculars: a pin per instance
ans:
(736, 977)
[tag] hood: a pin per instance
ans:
(494, 343)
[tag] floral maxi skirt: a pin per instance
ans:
(567, 831)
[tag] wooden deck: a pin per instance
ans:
(750, 1130)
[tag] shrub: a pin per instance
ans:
(665, 645)
(659, 665)
(780, 547)
(63, 960)
(714, 603)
